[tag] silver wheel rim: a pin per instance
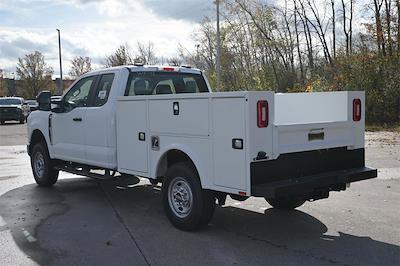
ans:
(39, 164)
(180, 197)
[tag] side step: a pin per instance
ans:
(72, 170)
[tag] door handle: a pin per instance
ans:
(77, 119)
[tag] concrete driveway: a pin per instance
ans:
(121, 222)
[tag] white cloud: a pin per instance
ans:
(94, 29)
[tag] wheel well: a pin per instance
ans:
(37, 137)
(171, 157)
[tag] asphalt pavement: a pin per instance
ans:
(81, 221)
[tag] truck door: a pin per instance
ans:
(67, 132)
(99, 126)
(132, 130)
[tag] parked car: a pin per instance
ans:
(165, 124)
(33, 105)
(13, 109)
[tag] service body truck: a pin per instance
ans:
(165, 124)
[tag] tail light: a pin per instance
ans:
(356, 110)
(262, 114)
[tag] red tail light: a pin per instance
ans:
(262, 114)
(356, 110)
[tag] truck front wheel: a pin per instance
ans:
(187, 205)
(42, 166)
(288, 203)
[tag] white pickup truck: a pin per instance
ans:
(165, 124)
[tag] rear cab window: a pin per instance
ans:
(157, 82)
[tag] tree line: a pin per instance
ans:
(286, 46)
(307, 45)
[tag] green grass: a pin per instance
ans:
(394, 127)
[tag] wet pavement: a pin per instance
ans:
(81, 221)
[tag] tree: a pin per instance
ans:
(333, 28)
(378, 25)
(79, 66)
(146, 53)
(120, 57)
(174, 61)
(34, 73)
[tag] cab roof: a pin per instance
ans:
(141, 68)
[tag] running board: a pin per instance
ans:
(72, 170)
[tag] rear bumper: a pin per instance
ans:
(313, 186)
(310, 174)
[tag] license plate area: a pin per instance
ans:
(316, 136)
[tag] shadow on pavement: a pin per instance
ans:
(81, 221)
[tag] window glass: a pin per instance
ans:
(103, 89)
(10, 101)
(150, 83)
(78, 96)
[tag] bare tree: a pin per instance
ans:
(307, 34)
(345, 31)
(295, 13)
(398, 26)
(79, 66)
(319, 29)
(146, 53)
(378, 25)
(34, 73)
(120, 57)
(388, 18)
(333, 28)
(174, 61)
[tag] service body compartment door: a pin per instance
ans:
(179, 116)
(229, 122)
(132, 137)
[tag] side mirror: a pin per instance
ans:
(44, 100)
(57, 104)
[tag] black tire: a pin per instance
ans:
(22, 121)
(289, 203)
(2, 122)
(42, 166)
(182, 175)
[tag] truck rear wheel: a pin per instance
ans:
(42, 166)
(187, 205)
(288, 203)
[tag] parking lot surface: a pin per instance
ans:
(81, 221)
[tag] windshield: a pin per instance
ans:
(149, 83)
(10, 101)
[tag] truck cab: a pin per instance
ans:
(164, 123)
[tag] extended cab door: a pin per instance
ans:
(67, 132)
(99, 125)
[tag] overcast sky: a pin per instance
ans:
(95, 28)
